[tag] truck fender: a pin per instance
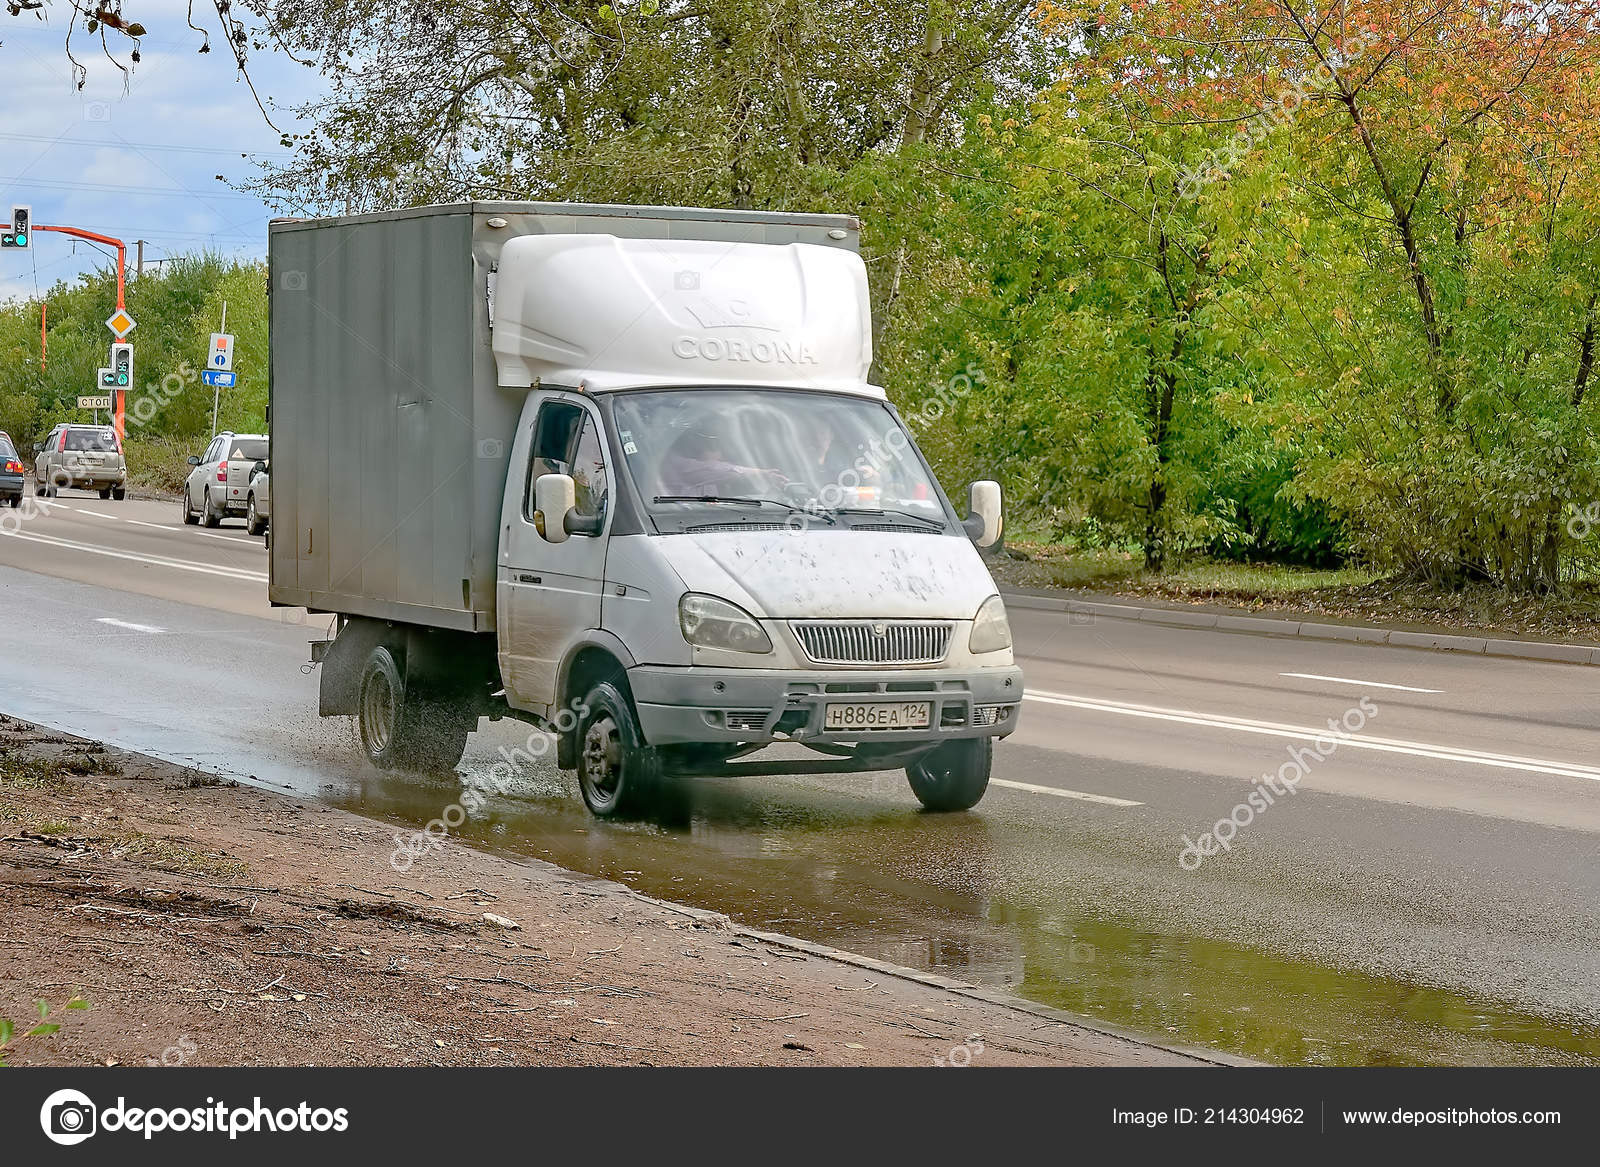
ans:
(594, 642)
(339, 691)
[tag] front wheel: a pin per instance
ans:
(189, 518)
(953, 776)
(617, 772)
(254, 524)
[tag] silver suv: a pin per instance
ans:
(86, 456)
(219, 484)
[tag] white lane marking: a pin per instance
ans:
(1311, 733)
(1362, 684)
(1104, 799)
(246, 540)
(154, 560)
(115, 623)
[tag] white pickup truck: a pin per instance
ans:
(619, 472)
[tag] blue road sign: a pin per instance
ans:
(218, 379)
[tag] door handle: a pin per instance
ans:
(524, 577)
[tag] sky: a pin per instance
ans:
(134, 161)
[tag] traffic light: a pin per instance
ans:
(122, 365)
(19, 232)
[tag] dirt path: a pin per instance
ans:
(214, 924)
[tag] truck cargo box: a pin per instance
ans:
(390, 430)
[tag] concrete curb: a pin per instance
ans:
(1574, 654)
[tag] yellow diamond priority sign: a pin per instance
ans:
(121, 323)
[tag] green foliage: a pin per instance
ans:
(8, 1029)
(177, 310)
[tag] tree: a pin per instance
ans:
(1427, 160)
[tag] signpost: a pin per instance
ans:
(103, 402)
(218, 379)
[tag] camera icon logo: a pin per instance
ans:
(294, 281)
(491, 449)
(686, 281)
(68, 1117)
(96, 111)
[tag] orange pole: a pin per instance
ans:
(119, 396)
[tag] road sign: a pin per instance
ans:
(221, 355)
(120, 323)
(218, 379)
(94, 403)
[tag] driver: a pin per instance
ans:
(696, 464)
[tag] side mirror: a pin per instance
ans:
(194, 459)
(259, 468)
(554, 496)
(983, 514)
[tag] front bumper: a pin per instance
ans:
(698, 704)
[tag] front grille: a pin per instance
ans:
(874, 642)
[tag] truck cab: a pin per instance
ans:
(755, 549)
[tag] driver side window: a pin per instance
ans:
(567, 441)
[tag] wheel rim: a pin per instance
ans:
(250, 513)
(378, 714)
(602, 759)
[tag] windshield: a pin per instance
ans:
(763, 456)
(103, 441)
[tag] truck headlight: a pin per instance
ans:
(990, 631)
(708, 622)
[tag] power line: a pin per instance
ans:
(120, 145)
(107, 188)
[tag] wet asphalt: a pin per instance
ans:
(1428, 891)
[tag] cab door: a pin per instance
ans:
(548, 594)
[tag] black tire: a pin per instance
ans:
(118, 493)
(398, 729)
(953, 776)
(208, 516)
(617, 773)
(16, 500)
(105, 492)
(254, 524)
(189, 517)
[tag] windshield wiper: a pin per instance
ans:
(933, 524)
(740, 500)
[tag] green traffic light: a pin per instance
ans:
(122, 378)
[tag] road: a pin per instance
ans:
(1428, 891)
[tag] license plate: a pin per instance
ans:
(877, 715)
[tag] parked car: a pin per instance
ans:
(11, 472)
(258, 502)
(85, 456)
(219, 484)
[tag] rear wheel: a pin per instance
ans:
(400, 729)
(208, 515)
(105, 492)
(617, 772)
(953, 776)
(118, 493)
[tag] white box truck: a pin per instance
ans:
(619, 472)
